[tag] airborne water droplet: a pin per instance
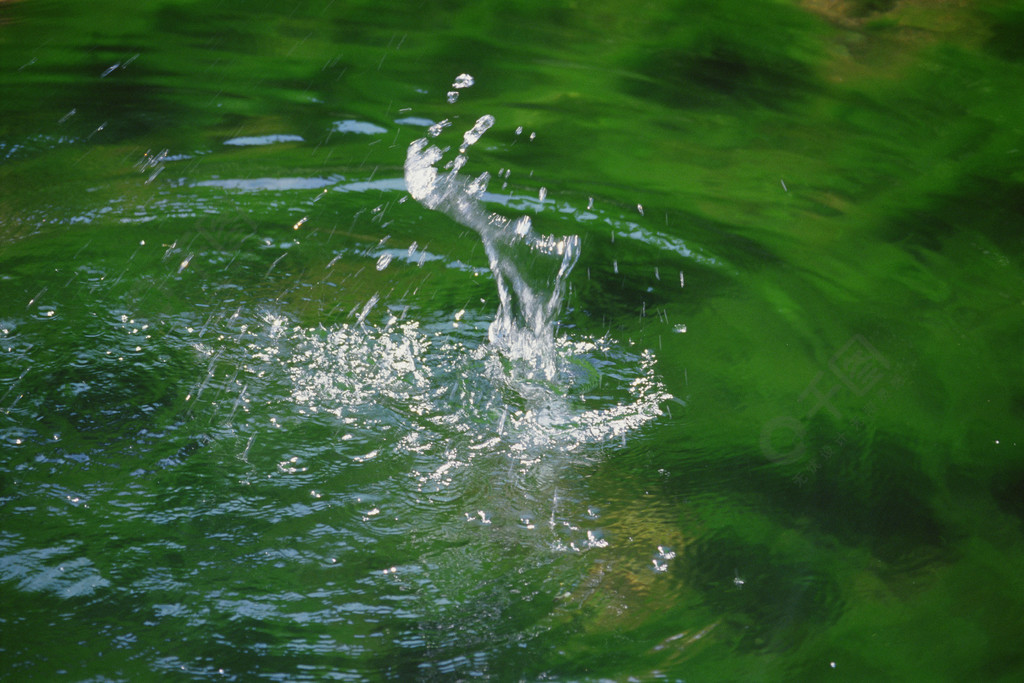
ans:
(471, 136)
(367, 308)
(436, 129)
(479, 185)
(463, 81)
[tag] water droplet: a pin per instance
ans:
(471, 136)
(543, 193)
(367, 308)
(680, 328)
(436, 129)
(383, 261)
(463, 81)
(522, 226)
(640, 208)
(479, 185)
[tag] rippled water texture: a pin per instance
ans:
(511, 341)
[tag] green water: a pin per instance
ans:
(252, 428)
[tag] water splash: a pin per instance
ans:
(530, 269)
(459, 419)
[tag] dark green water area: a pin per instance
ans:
(253, 427)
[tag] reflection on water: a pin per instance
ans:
(274, 403)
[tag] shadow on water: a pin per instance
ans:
(708, 54)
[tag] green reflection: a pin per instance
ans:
(808, 212)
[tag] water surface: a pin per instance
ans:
(268, 410)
